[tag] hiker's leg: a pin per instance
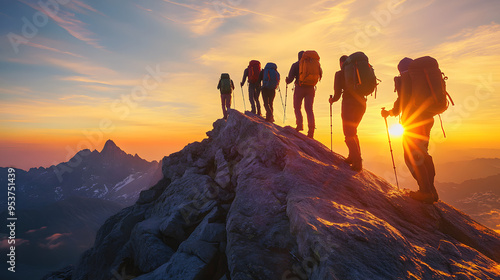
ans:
(265, 98)
(308, 106)
(251, 94)
(408, 157)
(271, 103)
(416, 158)
(256, 98)
(349, 128)
(225, 106)
(428, 162)
(298, 95)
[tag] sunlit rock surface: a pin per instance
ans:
(259, 201)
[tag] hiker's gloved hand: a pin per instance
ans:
(385, 113)
(331, 100)
(241, 84)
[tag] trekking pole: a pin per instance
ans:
(234, 102)
(243, 97)
(331, 125)
(282, 104)
(284, 107)
(390, 148)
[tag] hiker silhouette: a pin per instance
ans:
(270, 78)
(353, 109)
(226, 87)
(253, 72)
(417, 118)
(306, 72)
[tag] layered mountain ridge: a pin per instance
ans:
(111, 174)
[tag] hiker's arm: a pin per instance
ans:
(232, 84)
(245, 75)
(396, 109)
(320, 73)
(291, 74)
(218, 85)
(338, 85)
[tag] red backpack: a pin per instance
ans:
(253, 71)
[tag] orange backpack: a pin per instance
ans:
(309, 69)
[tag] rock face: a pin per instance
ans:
(258, 201)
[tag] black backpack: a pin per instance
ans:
(359, 74)
(225, 84)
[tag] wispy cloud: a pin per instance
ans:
(81, 67)
(69, 22)
(205, 18)
(100, 80)
(143, 8)
(54, 241)
(36, 230)
(43, 47)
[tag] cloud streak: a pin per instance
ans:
(68, 20)
(204, 19)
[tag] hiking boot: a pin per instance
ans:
(270, 119)
(357, 166)
(299, 127)
(310, 134)
(348, 160)
(424, 197)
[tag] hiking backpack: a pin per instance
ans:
(428, 86)
(309, 69)
(271, 77)
(359, 74)
(253, 71)
(225, 84)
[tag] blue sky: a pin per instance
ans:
(79, 62)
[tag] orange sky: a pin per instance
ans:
(146, 75)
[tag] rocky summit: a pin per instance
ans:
(258, 201)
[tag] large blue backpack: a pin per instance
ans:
(271, 77)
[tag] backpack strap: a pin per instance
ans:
(451, 100)
(442, 127)
(430, 85)
(357, 73)
(447, 94)
(376, 86)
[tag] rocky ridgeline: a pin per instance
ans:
(258, 201)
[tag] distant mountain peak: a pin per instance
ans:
(110, 144)
(111, 148)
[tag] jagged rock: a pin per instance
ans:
(149, 251)
(258, 201)
(62, 274)
(147, 196)
(110, 250)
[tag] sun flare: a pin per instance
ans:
(396, 130)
